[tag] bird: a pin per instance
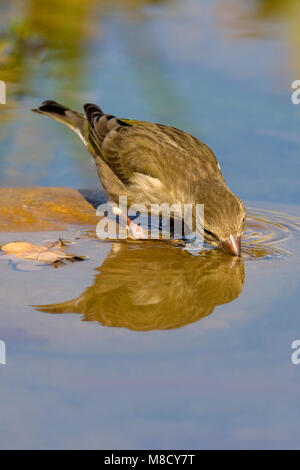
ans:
(152, 163)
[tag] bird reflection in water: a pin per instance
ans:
(156, 287)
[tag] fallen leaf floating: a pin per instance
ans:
(52, 253)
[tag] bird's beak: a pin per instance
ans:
(232, 245)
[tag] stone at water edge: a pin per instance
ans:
(42, 209)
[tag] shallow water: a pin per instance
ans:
(196, 350)
(145, 345)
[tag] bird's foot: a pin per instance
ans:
(136, 231)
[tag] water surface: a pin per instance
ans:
(147, 345)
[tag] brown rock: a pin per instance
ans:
(43, 209)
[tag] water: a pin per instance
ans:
(145, 345)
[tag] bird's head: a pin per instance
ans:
(224, 216)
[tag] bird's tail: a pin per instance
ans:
(76, 121)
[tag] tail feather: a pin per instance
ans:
(76, 121)
(51, 107)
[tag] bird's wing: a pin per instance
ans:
(132, 147)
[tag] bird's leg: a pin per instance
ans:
(135, 230)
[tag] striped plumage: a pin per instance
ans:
(155, 164)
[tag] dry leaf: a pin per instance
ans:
(49, 254)
(21, 247)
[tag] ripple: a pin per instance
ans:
(266, 230)
(265, 233)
